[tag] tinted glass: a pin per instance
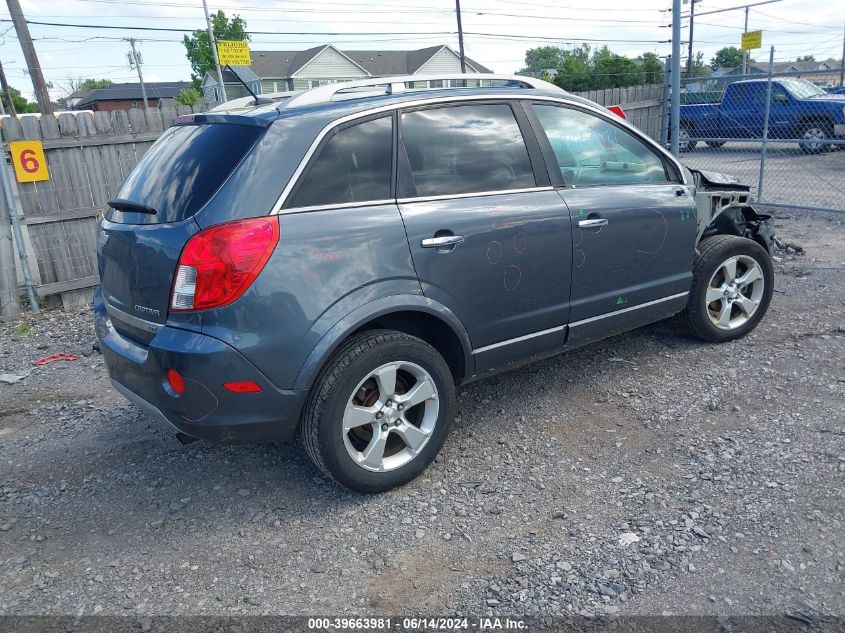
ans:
(465, 149)
(352, 166)
(592, 151)
(741, 94)
(184, 168)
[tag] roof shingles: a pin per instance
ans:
(284, 64)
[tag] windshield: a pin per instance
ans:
(802, 89)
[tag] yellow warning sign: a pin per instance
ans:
(233, 53)
(28, 159)
(751, 40)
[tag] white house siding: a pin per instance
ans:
(274, 85)
(443, 61)
(329, 64)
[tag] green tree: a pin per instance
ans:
(539, 60)
(727, 57)
(652, 68)
(805, 58)
(699, 68)
(189, 96)
(614, 71)
(573, 73)
(20, 102)
(198, 48)
(93, 84)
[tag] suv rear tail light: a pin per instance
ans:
(218, 264)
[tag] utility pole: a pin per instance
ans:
(842, 63)
(689, 44)
(675, 117)
(137, 62)
(212, 42)
(745, 53)
(7, 92)
(461, 36)
(39, 86)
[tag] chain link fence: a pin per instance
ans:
(782, 133)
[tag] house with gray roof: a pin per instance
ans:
(128, 95)
(279, 71)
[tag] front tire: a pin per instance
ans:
(379, 412)
(733, 281)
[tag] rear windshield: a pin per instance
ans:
(184, 168)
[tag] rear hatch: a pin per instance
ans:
(146, 225)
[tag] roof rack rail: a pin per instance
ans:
(397, 84)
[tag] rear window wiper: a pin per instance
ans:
(122, 204)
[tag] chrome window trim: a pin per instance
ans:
(338, 205)
(141, 324)
(558, 328)
(624, 310)
(402, 105)
(474, 194)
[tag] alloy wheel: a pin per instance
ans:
(734, 292)
(390, 416)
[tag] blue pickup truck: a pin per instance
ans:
(799, 110)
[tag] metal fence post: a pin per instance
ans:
(14, 220)
(766, 126)
(676, 76)
(664, 112)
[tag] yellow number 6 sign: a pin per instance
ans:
(28, 159)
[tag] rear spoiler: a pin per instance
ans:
(232, 119)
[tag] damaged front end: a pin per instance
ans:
(724, 208)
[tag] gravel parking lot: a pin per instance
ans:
(647, 474)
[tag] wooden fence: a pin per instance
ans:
(90, 155)
(643, 105)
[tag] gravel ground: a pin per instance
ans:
(647, 474)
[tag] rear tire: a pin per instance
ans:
(685, 132)
(732, 285)
(379, 411)
(715, 144)
(816, 135)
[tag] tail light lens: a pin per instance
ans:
(218, 264)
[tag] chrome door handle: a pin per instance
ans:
(592, 223)
(442, 242)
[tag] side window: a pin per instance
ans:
(592, 151)
(354, 165)
(741, 94)
(465, 149)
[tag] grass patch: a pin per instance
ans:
(23, 328)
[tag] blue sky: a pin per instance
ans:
(498, 31)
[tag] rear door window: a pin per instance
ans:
(352, 165)
(465, 149)
(184, 168)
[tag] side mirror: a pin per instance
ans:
(780, 98)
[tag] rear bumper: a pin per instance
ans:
(206, 409)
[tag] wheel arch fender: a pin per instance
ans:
(372, 311)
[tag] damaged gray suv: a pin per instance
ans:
(335, 263)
